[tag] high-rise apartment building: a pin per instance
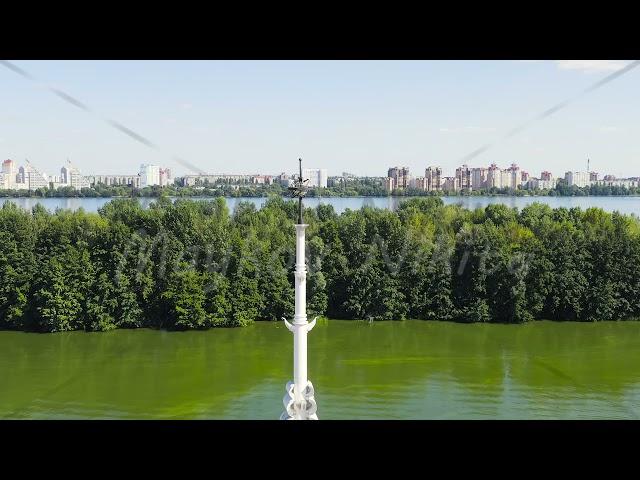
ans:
(451, 184)
(513, 179)
(149, 175)
(164, 177)
(9, 174)
(506, 178)
(494, 176)
(479, 178)
(433, 179)
(401, 177)
(419, 183)
(317, 177)
(463, 175)
(70, 176)
(21, 177)
(579, 179)
(389, 184)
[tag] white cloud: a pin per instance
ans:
(608, 129)
(591, 66)
(185, 106)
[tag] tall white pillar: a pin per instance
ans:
(299, 401)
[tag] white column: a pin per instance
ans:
(300, 318)
(299, 401)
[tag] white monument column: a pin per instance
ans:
(299, 401)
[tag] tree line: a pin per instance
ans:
(194, 265)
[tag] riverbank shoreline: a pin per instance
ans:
(326, 322)
(622, 204)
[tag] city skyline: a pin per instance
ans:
(356, 116)
(311, 172)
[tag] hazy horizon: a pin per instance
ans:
(356, 116)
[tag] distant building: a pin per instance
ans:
(546, 182)
(401, 177)
(34, 179)
(164, 177)
(21, 178)
(494, 177)
(433, 177)
(317, 176)
(540, 184)
(506, 178)
(419, 183)
(112, 180)
(451, 184)
(231, 179)
(9, 174)
(622, 182)
(593, 176)
(336, 181)
(513, 178)
(524, 178)
(389, 184)
(70, 176)
(579, 179)
(479, 178)
(285, 180)
(149, 175)
(463, 175)
(262, 179)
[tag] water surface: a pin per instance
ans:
(384, 370)
(628, 205)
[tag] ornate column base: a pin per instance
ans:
(299, 410)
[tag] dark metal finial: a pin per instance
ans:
(299, 189)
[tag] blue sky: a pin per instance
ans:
(356, 116)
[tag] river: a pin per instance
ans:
(385, 370)
(628, 204)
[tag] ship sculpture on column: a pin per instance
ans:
(299, 401)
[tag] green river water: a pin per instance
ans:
(385, 370)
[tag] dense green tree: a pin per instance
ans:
(185, 299)
(60, 289)
(191, 265)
